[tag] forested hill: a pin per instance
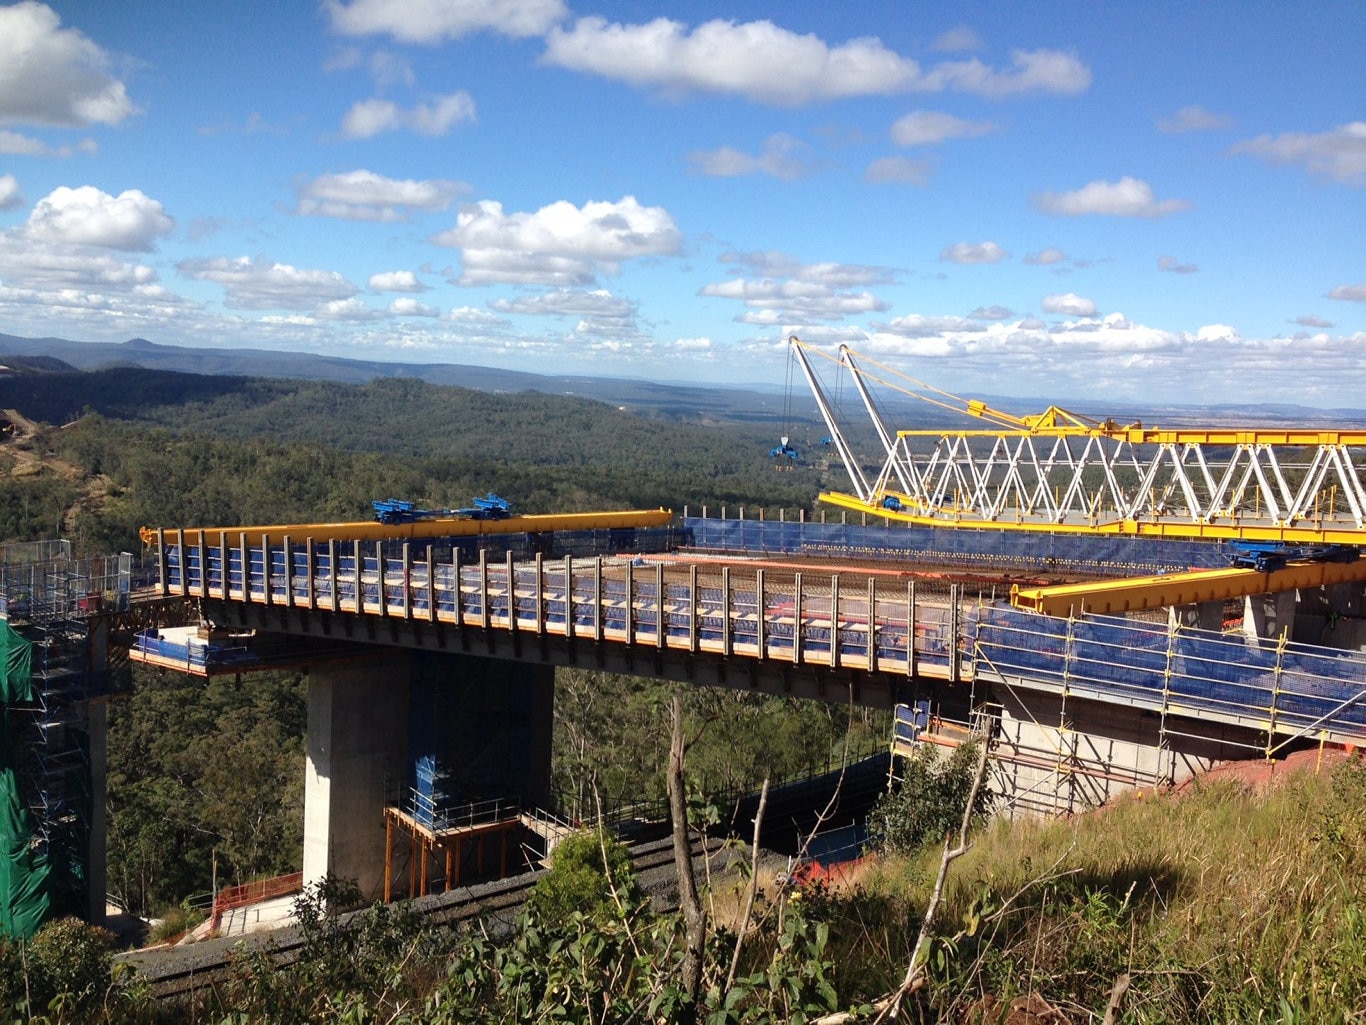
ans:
(401, 417)
(128, 446)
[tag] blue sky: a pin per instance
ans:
(1160, 202)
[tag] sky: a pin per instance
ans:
(1152, 201)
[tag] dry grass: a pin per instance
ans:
(1222, 903)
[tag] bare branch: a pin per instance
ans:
(915, 969)
(752, 890)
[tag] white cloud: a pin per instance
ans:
(1339, 154)
(899, 170)
(1351, 293)
(1217, 333)
(406, 306)
(991, 313)
(10, 195)
(1046, 257)
(1194, 118)
(86, 216)
(1031, 71)
(261, 284)
(918, 325)
(1174, 266)
(771, 263)
(1128, 197)
(958, 40)
(54, 76)
(693, 345)
(1309, 320)
(931, 127)
(768, 64)
(564, 302)
(559, 244)
(973, 252)
(349, 311)
(1070, 304)
(473, 318)
(429, 22)
(368, 118)
(57, 267)
(776, 288)
(396, 281)
(782, 157)
(12, 143)
(794, 299)
(1115, 359)
(363, 195)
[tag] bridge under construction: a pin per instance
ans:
(1112, 606)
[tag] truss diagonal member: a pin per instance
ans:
(1352, 489)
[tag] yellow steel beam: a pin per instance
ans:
(1214, 436)
(1133, 593)
(372, 530)
(1336, 534)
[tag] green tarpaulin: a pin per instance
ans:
(24, 873)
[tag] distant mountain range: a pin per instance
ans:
(694, 403)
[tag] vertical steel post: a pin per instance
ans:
(407, 580)
(597, 599)
(660, 632)
(726, 632)
(692, 609)
(760, 607)
(569, 620)
(834, 621)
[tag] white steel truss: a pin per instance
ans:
(1062, 471)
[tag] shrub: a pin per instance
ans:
(71, 959)
(929, 803)
(581, 881)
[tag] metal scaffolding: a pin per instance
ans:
(48, 598)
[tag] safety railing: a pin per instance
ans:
(804, 620)
(253, 893)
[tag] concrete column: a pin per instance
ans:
(1205, 615)
(1265, 616)
(97, 860)
(357, 741)
(485, 723)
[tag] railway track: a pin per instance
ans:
(173, 973)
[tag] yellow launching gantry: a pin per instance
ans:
(375, 530)
(1061, 472)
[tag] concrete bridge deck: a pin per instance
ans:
(874, 635)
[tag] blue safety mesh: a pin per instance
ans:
(1289, 688)
(1008, 548)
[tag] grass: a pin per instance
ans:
(1220, 904)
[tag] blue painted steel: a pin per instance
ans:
(396, 510)
(985, 548)
(1267, 556)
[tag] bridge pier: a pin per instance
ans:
(1205, 615)
(486, 722)
(1266, 617)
